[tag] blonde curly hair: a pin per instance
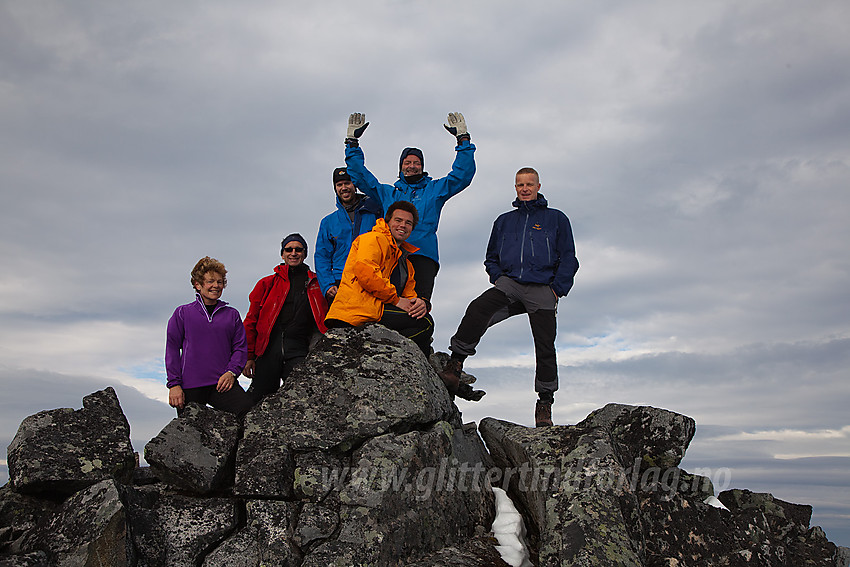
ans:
(207, 264)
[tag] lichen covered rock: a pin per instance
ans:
(62, 451)
(196, 451)
(358, 384)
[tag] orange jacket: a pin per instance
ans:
(365, 285)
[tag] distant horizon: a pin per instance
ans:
(730, 469)
(700, 151)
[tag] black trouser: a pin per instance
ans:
(235, 400)
(417, 330)
(493, 306)
(424, 272)
(269, 372)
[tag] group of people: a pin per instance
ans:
(376, 261)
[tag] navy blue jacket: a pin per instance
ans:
(336, 233)
(533, 244)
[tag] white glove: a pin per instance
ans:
(456, 125)
(357, 125)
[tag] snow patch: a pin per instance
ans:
(713, 501)
(509, 530)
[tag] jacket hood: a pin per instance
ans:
(539, 203)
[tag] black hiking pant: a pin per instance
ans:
(505, 300)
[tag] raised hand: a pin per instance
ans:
(356, 125)
(456, 125)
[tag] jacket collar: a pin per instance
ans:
(402, 183)
(199, 300)
(539, 203)
(381, 227)
(282, 270)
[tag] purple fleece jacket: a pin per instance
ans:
(199, 347)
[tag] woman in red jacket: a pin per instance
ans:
(287, 310)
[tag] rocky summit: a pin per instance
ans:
(362, 459)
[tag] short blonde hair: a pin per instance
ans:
(529, 170)
(207, 264)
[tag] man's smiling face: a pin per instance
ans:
(527, 186)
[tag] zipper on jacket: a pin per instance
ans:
(522, 246)
(209, 315)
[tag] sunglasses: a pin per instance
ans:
(293, 249)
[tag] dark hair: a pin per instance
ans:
(404, 206)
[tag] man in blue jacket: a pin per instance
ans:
(355, 214)
(414, 184)
(531, 260)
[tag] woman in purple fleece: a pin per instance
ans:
(205, 347)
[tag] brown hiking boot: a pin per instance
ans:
(465, 392)
(543, 414)
(450, 375)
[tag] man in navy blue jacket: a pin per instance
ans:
(355, 214)
(531, 260)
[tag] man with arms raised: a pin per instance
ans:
(414, 184)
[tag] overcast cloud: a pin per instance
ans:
(700, 151)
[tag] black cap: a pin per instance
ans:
(341, 174)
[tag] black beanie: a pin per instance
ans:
(293, 237)
(414, 151)
(341, 174)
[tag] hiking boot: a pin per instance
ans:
(465, 392)
(450, 375)
(543, 414)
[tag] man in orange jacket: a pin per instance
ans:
(378, 281)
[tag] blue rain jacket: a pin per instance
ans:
(336, 233)
(428, 195)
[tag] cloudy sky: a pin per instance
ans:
(701, 151)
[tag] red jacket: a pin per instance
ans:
(267, 300)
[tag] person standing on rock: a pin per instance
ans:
(205, 348)
(355, 214)
(414, 184)
(287, 310)
(378, 282)
(531, 261)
